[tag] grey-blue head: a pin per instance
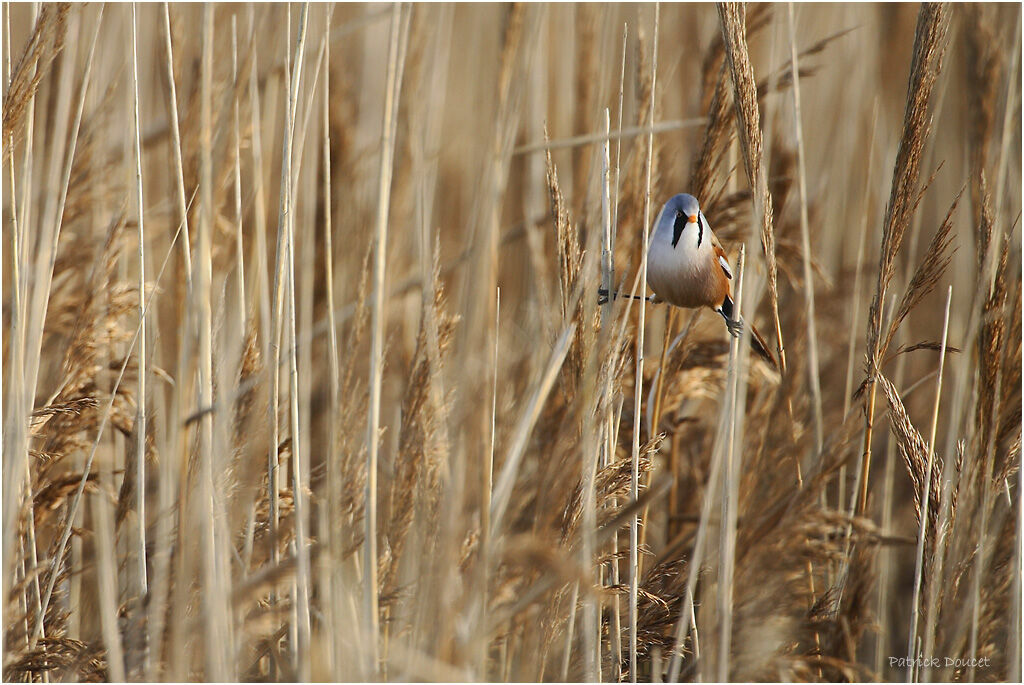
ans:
(683, 203)
(677, 215)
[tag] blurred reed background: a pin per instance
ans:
(392, 221)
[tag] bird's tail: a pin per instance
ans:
(758, 344)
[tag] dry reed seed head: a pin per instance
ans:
(984, 221)
(761, 15)
(929, 46)
(989, 353)
(59, 658)
(914, 451)
(931, 269)
(46, 43)
(420, 450)
(984, 67)
(716, 138)
(732, 17)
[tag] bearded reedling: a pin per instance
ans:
(687, 267)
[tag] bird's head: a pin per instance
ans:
(680, 214)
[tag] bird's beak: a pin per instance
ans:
(692, 218)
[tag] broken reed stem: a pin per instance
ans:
(927, 62)
(521, 435)
(915, 606)
(591, 138)
(634, 524)
(733, 21)
(378, 316)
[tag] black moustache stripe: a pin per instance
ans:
(700, 230)
(677, 228)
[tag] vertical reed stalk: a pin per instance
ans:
(805, 241)
(14, 420)
(855, 317)
(607, 283)
(178, 166)
(486, 540)
(731, 416)
(236, 140)
(299, 486)
(107, 586)
(915, 606)
(140, 417)
(634, 524)
(378, 315)
(215, 624)
(610, 427)
(333, 456)
(813, 369)
(180, 404)
(259, 199)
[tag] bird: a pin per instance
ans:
(687, 267)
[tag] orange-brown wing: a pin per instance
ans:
(723, 260)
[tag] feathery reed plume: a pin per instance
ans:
(929, 45)
(46, 43)
(732, 16)
(984, 71)
(929, 271)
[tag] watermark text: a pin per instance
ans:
(938, 662)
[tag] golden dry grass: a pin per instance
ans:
(376, 425)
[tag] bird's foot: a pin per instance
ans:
(603, 297)
(735, 327)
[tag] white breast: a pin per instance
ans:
(674, 272)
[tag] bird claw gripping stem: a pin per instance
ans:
(602, 297)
